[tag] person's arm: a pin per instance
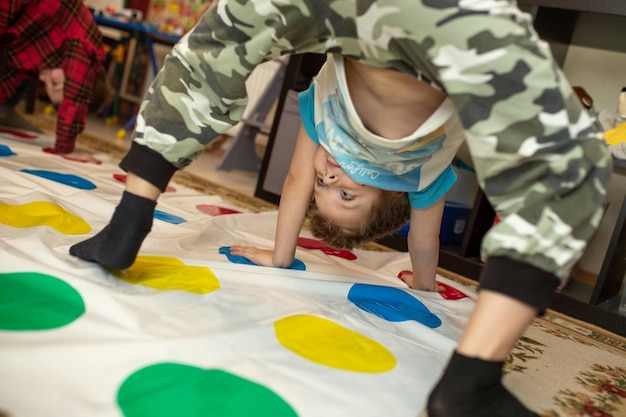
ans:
(423, 243)
(79, 81)
(294, 201)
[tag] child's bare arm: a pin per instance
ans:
(294, 201)
(423, 243)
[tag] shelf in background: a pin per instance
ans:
(613, 7)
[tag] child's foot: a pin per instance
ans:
(117, 245)
(495, 401)
(471, 387)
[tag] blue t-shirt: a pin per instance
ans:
(419, 164)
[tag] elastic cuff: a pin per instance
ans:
(148, 165)
(522, 281)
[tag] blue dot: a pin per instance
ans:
(67, 179)
(6, 151)
(225, 250)
(167, 217)
(391, 304)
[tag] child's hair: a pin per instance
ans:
(102, 92)
(386, 217)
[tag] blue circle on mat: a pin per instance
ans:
(225, 250)
(6, 151)
(391, 304)
(67, 179)
(167, 217)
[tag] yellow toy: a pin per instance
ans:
(48, 109)
(616, 135)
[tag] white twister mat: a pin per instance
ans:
(187, 331)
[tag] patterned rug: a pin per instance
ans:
(562, 366)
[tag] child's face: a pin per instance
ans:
(344, 202)
(54, 79)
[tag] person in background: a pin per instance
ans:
(58, 42)
(538, 155)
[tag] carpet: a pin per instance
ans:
(189, 319)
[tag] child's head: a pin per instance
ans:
(345, 214)
(54, 80)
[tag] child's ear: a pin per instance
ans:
(401, 196)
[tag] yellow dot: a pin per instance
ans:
(328, 343)
(43, 213)
(166, 273)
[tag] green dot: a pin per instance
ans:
(170, 389)
(34, 301)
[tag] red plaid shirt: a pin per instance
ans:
(52, 34)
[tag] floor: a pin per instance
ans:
(206, 166)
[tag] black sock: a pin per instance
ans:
(472, 387)
(117, 245)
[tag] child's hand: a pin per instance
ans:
(257, 256)
(76, 156)
(81, 157)
(416, 284)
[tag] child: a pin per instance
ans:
(58, 41)
(538, 156)
(368, 129)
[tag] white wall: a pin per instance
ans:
(602, 72)
(102, 4)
